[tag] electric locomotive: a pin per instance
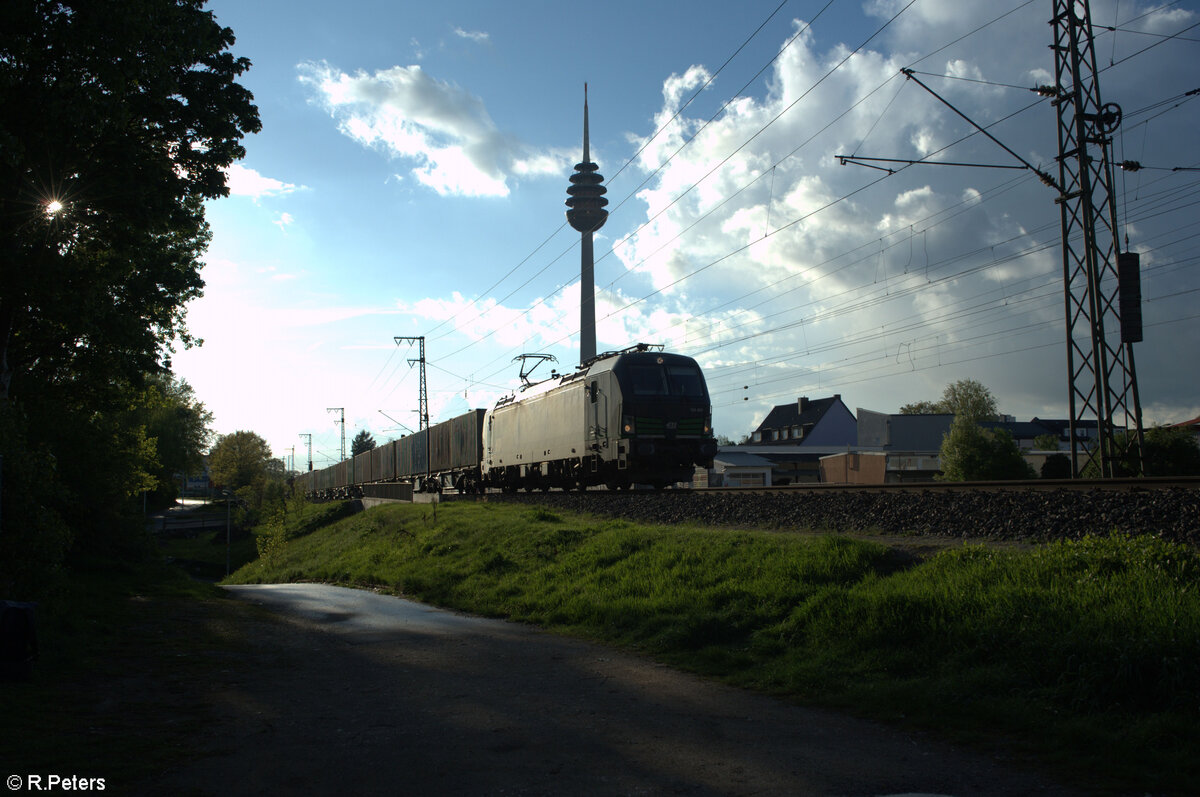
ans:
(635, 416)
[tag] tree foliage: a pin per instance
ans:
(923, 408)
(179, 425)
(972, 453)
(241, 459)
(1171, 451)
(120, 118)
(363, 441)
(1046, 442)
(965, 398)
(124, 114)
(1166, 451)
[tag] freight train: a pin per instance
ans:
(631, 417)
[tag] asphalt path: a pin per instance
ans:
(353, 692)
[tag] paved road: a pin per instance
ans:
(355, 692)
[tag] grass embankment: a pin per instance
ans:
(1083, 654)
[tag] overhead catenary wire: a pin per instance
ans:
(686, 277)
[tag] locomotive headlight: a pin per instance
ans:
(708, 425)
(627, 424)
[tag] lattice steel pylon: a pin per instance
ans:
(422, 394)
(341, 421)
(1103, 381)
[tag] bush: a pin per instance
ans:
(972, 453)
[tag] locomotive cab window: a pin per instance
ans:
(648, 380)
(681, 380)
(685, 381)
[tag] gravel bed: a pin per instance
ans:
(1018, 515)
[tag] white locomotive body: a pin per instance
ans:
(624, 418)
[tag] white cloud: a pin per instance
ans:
(444, 131)
(243, 181)
(824, 276)
(472, 35)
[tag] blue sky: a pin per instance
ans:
(411, 172)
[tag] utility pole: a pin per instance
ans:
(1101, 284)
(341, 421)
(308, 438)
(423, 396)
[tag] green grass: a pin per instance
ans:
(1082, 654)
(206, 555)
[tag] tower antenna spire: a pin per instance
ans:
(586, 153)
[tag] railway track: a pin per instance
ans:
(1021, 511)
(1074, 485)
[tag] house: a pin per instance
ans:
(1086, 432)
(733, 468)
(1023, 432)
(855, 467)
(808, 422)
(794, 437)
(912, 446)
(902, 433)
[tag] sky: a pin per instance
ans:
(411, 173)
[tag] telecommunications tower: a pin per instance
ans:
(586, 215)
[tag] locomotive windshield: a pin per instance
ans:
(683, 380)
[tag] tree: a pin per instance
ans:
(972, 453)
(1056, 466)
(120, 117)
(1166, 451)
(922, 408)
(1171, 451)
(179, 424)
(966, 398)
(1046, 442)
(241, 459)
(363, 441)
